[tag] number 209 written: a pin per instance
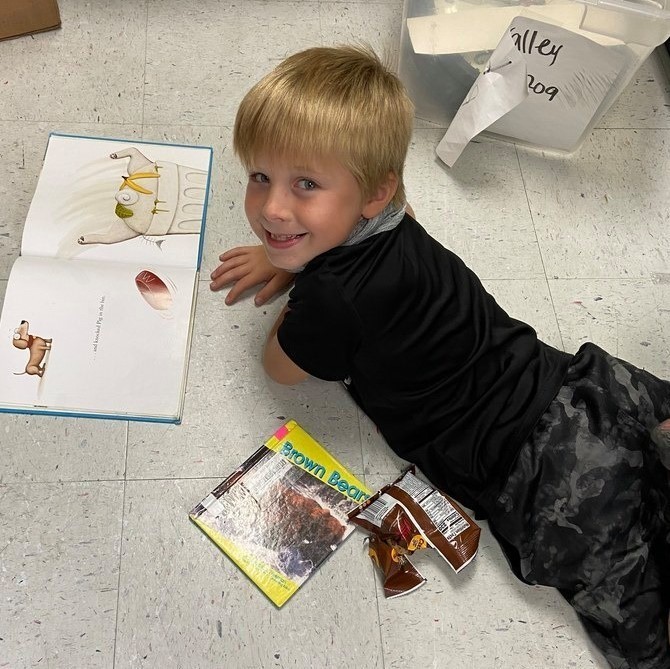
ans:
(539, 88)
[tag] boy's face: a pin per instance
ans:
(299, 210)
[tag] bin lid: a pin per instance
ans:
(644, 22)
(610, 23)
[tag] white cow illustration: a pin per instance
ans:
(155, 199)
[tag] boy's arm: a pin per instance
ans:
(278, 366)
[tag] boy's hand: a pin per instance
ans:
(246, 267)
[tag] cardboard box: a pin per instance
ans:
(22, 17)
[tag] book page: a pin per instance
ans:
(95, 337)
(123, 201)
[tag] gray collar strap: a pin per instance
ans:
(367, 227)
(389, 218)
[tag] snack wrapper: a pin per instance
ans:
(410, 514)
(400, 575)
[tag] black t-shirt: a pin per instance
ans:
(451, 381)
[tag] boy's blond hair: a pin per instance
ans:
(340, 102)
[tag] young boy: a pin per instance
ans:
(553, 449)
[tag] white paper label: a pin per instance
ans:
(565, 76)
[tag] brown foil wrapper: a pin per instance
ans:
(400, 575)
(410, 514)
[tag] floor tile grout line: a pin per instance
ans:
(43, 121)
(123, 518)
(379, 614)
(539, 248)
(172, 122)
(144, 69)
(526, 279)
(157, 479)
(16, 484)
(319, 8)
(374, 582)
(118, 580)
(554, 153)
(483, 277)
(140, 122)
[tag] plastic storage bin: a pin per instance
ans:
(446, 44)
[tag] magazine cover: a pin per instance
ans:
(282, 512)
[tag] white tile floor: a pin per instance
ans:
(99, 565)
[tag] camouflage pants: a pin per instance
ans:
(586, 508)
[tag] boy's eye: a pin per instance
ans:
(307, 184)
(258, 177)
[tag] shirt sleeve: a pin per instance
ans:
(321, 331)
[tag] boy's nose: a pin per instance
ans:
(275, 207)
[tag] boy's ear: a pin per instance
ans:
(384, 193)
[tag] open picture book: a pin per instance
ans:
(98, 311)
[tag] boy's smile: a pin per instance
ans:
(283, 241)
(299, 210)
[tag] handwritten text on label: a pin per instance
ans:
(525, 42)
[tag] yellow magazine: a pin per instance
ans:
(282, 512)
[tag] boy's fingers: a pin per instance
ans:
(235, 292)
(224, 279)
(237, 251)
(271, 288)
(263, 295)
(230, 253)
(227, 265)
(244, 281)
(217, 271)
